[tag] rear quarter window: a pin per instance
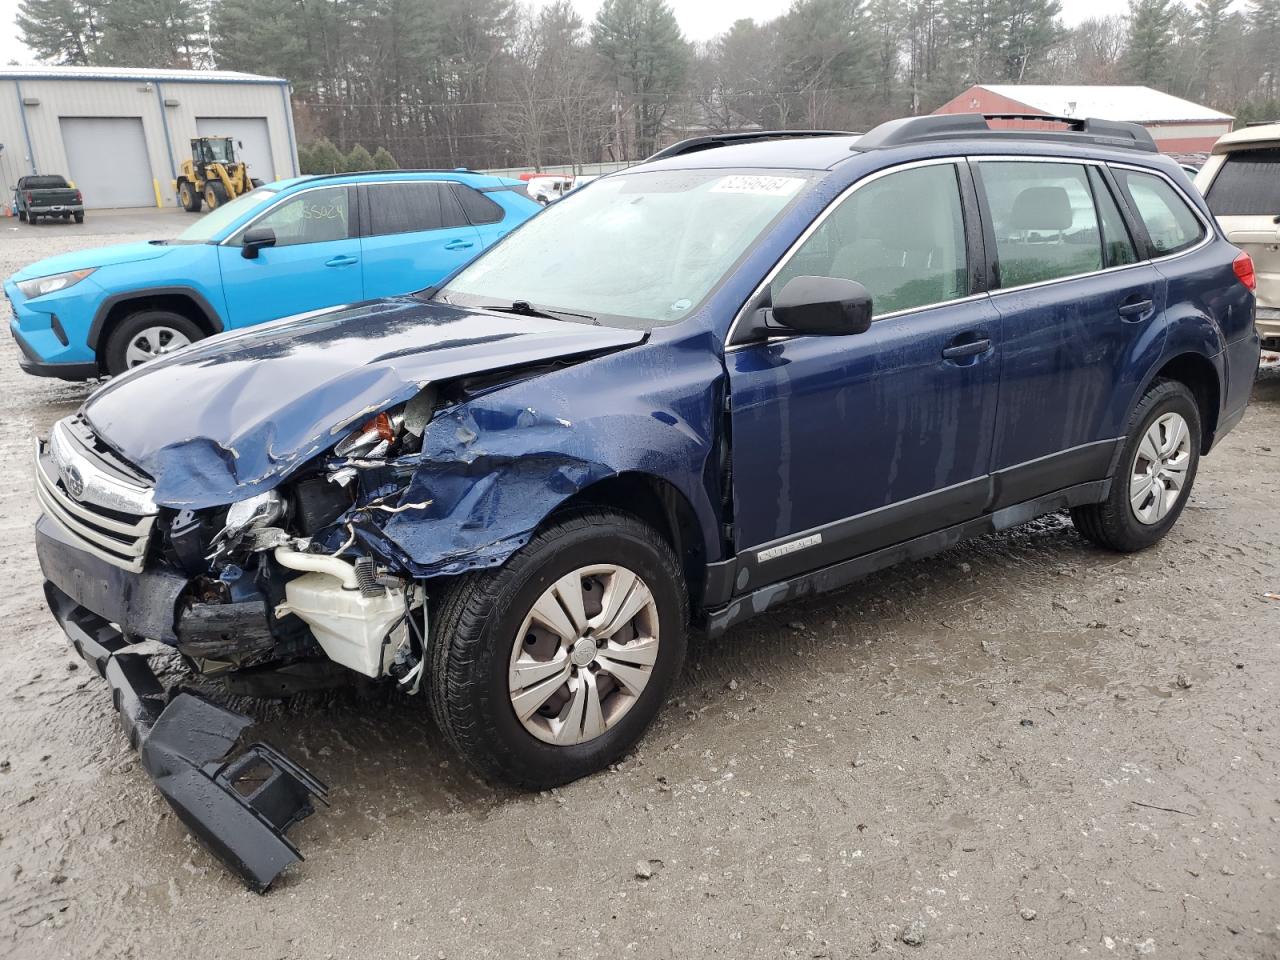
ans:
(1247, 184)
(479, 208)
(1172, 226)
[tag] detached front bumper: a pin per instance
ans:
(238, 806)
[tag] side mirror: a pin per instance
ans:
(255, 239)
(826, 306)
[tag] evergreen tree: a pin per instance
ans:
(383, 160)
(359, 160)
(263, 36)
(647, 61)
(323, 157)
(155, 33)
(1150, 42)
(61, 31)
(1264, 17)
(1027, 34)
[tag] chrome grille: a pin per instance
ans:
(107, 517)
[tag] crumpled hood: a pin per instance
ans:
(93, 257)
(232, 415)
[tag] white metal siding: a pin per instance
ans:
(166, 107)
(107, 160)
(254, 141)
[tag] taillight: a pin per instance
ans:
(1243, 268)
(28, 198)
(79, 198)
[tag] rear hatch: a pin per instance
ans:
(1245, 197)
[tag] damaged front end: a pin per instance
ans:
(290, 547)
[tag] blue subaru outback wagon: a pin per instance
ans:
(749, 369)
(284, 248)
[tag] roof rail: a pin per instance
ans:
(967, 126)
(361, 173)
(709, 142)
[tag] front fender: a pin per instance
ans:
(495, 467)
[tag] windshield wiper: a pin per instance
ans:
(526, 309)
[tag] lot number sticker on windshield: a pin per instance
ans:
(764, 186)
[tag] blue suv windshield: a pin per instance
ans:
(633, 250)
(215, 221)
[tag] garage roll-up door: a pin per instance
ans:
(254, 145)
(107, 159)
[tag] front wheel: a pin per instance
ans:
(189, 197)
(1153, 477)
(553, 666)
(145, 335)
(215, 195)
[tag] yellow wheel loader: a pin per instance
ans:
(213, 175)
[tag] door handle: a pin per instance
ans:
(970, 349)
(1133, 310)
(342, 261)
(459, 245)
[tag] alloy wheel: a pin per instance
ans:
(1159, 471)
(584, 654)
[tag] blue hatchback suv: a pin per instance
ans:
(284, 248)
(749, 369)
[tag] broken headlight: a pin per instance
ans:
(253, 513)
(391, 433)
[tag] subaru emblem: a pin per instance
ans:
(75, 483)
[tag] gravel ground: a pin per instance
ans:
(1024, 747)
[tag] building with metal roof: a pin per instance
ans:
(1177, 125)
(120, 133)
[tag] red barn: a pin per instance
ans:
(1176, 125)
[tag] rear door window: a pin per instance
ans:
(1171, 224)
(1117, 245)
(1247, 184)
(1044, 219)
(412, 208)
(901, 236)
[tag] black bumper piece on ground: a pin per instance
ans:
(239, 807)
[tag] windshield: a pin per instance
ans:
(633, 250)
(220, 151)
(217, 220)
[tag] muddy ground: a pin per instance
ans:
(1024, 747)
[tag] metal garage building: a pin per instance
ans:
(121, 133)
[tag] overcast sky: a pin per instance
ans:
(700, 19)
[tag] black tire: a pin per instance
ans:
(1112, 524)
(189, 197)
(79, 217)
(474, 628)
(114, 356)
(33, 218)
(215, 195)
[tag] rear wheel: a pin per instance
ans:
(553, 666)
(189, 197)
(145, 335)
(1153, 477)
(79, 217)
(215, 195)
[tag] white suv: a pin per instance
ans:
(1241, 182)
